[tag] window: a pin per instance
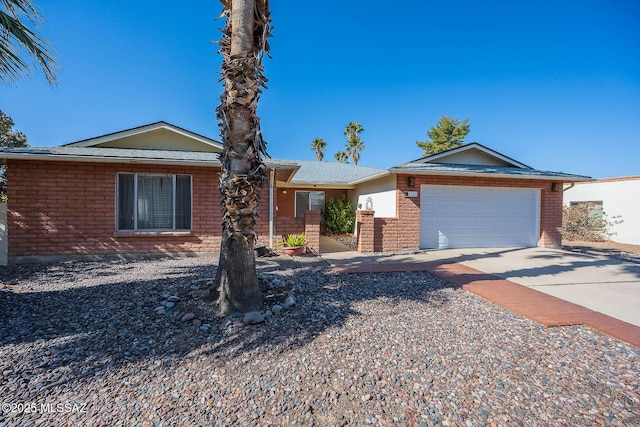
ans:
(153, 202)
(308, 200)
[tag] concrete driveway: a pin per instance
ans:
(599, 283)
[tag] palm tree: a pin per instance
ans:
(342, 156)
(353, 129)
(354, 143)
(354, 146)
(243, 45)
(16, 16)
(319, 145)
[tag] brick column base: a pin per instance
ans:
(312, 230)
(365, 224)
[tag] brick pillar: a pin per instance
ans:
(312, 230)
(551, 217)
(365, 224)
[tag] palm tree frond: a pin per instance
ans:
(27, 8)
(14, 33)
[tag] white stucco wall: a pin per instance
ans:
(382, 192)
(619, 197)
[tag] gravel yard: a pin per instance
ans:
(94, 344)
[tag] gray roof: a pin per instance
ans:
(477, 170)
(333, 173)
(118, 155)
(309, 172)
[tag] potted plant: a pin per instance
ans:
(293, 244)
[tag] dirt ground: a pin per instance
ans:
(623, 251)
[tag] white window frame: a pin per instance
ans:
(135, 202)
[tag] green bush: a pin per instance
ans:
(583, 223)
(338, 216)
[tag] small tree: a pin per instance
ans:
(339, 216)
(11, 138)
(448, 133)
(582, 222)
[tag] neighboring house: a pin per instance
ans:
(616, 197)
(154, 189)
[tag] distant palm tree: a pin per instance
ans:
(15, 15)
(354, 143)
(354, 146)
(353, 129)
(342, 156)
(319, 145)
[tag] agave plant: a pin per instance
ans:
(293, 241)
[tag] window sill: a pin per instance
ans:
(152, 233)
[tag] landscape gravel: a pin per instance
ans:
(96, 343)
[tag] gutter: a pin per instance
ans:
(371, 177)
(105, 159)
(115, 159)
(341, 185)
(574, 178)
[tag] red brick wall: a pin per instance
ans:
(286, 226)
(312, 231)
(385, 231)
(60, 208)
(550, 216)
(409, 208)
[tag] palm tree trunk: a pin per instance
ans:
(243, 172)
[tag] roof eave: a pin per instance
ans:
(346, 184)
(565, 178)
(108, 159)
(372, 177)
(319, 185)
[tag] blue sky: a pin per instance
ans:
(553, 84)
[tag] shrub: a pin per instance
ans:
(582, 223)
(339, 216)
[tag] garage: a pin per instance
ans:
(478, 217)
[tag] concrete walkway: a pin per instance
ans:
(552, 287)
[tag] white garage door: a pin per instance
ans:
(478, 217)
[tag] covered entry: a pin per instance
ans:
(466, 217)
